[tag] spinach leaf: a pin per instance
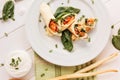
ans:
(119, 32)
(8, 11)
(60, 15)
(116, 41)
(66, 40)
(64, 10)
(72, 10)
(59, 11)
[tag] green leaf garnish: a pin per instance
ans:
(8, 11)
(56, 45)
(119, 32)
(66, 40)
(61, 11)
(112, 27)
(116, 41)
(43, 74)
(50, 51)
(15, 62)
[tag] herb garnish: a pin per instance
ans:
(112, 27)
(62, 3)
(46, 69)
(56, 45)
(50, 51)
(89, 39)
(43, 74)
(45, 27)
(68, 1)
(8, 11)
(15, 63)
(1, 64)
(83, 16)
(116, 40)
(50, 2)
(19, 59)
(39, 20)
(119, 32)
(92, 1)
(16, 68)
(66, 40)
(6, 34)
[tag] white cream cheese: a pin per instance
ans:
(18, 63)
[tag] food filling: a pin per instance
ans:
(90, 22)
(53, 25)
(79, 30)
(68, 19)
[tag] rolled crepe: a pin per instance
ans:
(89, 24)
(78, 31)
(52, 27)
(81, 28)
(66, 20)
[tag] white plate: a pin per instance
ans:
(83, 51)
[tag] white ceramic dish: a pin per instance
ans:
(23, 66)
(83, 51)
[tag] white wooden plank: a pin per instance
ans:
(16, 40)
(115, 64)
(113, 10)
(112, 7)
(106, 1)
(31, 73)
(20, 15)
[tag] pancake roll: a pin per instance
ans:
(52, 27)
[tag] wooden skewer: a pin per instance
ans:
(79, 75)
(98, 63)
(15, 79)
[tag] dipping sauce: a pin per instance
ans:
(18, 63)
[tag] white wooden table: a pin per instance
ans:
(17, 39)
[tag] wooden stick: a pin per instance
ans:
(15, 79)
(79, 75)
(98, 63)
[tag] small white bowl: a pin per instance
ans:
(24, 63)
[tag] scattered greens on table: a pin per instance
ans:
(68, 1)
(1, 64)
(6, 34)
(89, 39)
(66, 35)
(116, 40)
(8, 11)
(92, 1)
(42, 75)
(56, 45)
(50, 51)
(83, 16)
(62, 3)
(112, 27)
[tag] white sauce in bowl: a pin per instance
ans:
(18, 63)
